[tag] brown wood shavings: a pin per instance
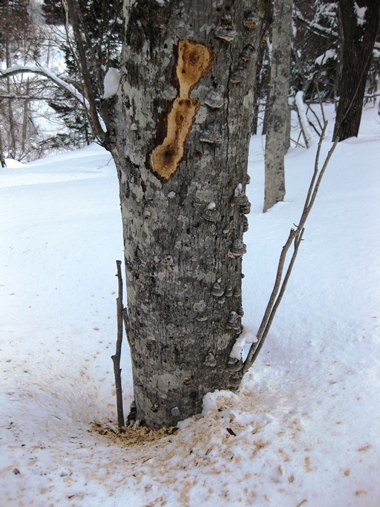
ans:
(130, 436)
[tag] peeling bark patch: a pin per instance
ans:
(194, 62)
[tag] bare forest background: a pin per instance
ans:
(45, 107)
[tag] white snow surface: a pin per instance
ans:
(111, 82)
(307, 417)
(360, 14)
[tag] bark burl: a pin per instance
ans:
(179, 133)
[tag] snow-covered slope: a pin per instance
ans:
(307, 417)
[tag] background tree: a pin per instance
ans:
(360, 23)
(54, 12)
(261, 87)
(77, 133)
(299, 58)
(31, 44)
(26, 119)
(315, 55)
(278, 123)
(20, 41)
(92, 46)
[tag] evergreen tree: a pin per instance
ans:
(100, 27)
(54, 12)
(77, 132)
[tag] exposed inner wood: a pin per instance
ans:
(194, 62)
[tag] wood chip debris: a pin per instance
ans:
(130, 436)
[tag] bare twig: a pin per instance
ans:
(321, 104)
(116, 358)
(303, 121)
(309, 108)
(43, 71)
(296, 142)
(295, 237)
(15, 96)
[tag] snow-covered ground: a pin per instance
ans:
(307, 417)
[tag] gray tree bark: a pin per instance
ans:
(2, 157)
(360, 25)
(278, 122)
(179, 132)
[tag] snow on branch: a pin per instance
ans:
(18, 69)
(360, 14)
(16, 96)
(316, 27)
(111, 82)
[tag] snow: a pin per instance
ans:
(360, 14)
(329, 54)
(246, 337)
(304, 427)
(323, 10)
(10, 162)
(111, 82)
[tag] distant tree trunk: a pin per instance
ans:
(277, 128)
(11, 137)
(258, 87)
(360, 22)
(266, 115)
(2, 158)
(179, 132)
(262, 72)
(81, 61)
(25, 119)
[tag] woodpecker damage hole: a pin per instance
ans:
(194, 62)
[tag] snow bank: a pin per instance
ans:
(304, 427)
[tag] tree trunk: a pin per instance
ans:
(11, 135)
(81, 61)
(278, 122)
(2, 157)
(262, 72)
(260, 87)
(25, 135)
(360, 22)
(180, 132)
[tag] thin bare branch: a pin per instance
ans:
(295, 237)
(43, 71)
(117, 356)
(316, 168)
(15, 96)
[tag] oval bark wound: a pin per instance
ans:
(194, 62)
